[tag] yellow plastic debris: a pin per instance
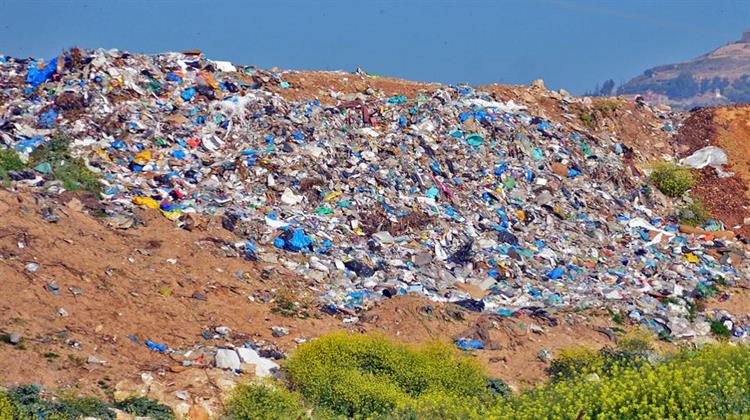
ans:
(146, 201)
(692, 257)
(332, 195)
(143, 157)
(172, 215)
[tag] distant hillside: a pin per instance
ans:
(719, 77)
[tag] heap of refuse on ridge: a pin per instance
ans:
(452, 194)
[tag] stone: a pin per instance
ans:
(92, 360)
(227, 359)
(223, 330)
(263, 366)
(538, 83)
(279, 331)
(15, 338)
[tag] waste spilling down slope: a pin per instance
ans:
(228, 191)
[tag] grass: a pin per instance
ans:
(693, 214)
(263, 402)
(718, 328)
(607, 106)
(9, 161)
(713, 382)
(288, 305)
(71, 171)
(144, 407)
(588, 120)
(359, 376)
(671, 179)
(369, 377)
(26, 402)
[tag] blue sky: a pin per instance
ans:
(570, 44)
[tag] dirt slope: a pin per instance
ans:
(728, 127)
(115, 284)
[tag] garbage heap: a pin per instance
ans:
(453, 194)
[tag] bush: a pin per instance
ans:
(671, 179)
(573, 363)
(606, 106)
(72, 171)
(354, 376)
(263, 402)
(718, 328)
(439, 405)
(587, 120)
(710, 383)
(26, 402)
(693, 214)
(8, 410)
(144, 407)
(632, 351)
(360, 375)
(10, 161)
(74, 407)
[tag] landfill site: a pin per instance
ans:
(173, 225)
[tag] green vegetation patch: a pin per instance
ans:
(63, 166)
(671, 179)
(693, 214)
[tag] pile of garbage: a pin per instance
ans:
(452, 194)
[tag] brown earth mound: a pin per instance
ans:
(727, 199)
(95, 290)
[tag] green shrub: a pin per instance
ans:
(74, 407)
(440, 405)
(144, 407)
(72, 171)
(632, 351)
(718, 328)
(636, 341)
(573, 363)
(26, 402)
(587, 120)
(498, 387)
(693, 214)
(713, 382)
(263, 402)
(606, 106)
(10, 161)
(358, 376)
(671, 179)
(8, 410)
(363, 375)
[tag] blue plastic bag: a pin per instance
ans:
(161, 348)
(36, 77)
(466, 344)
